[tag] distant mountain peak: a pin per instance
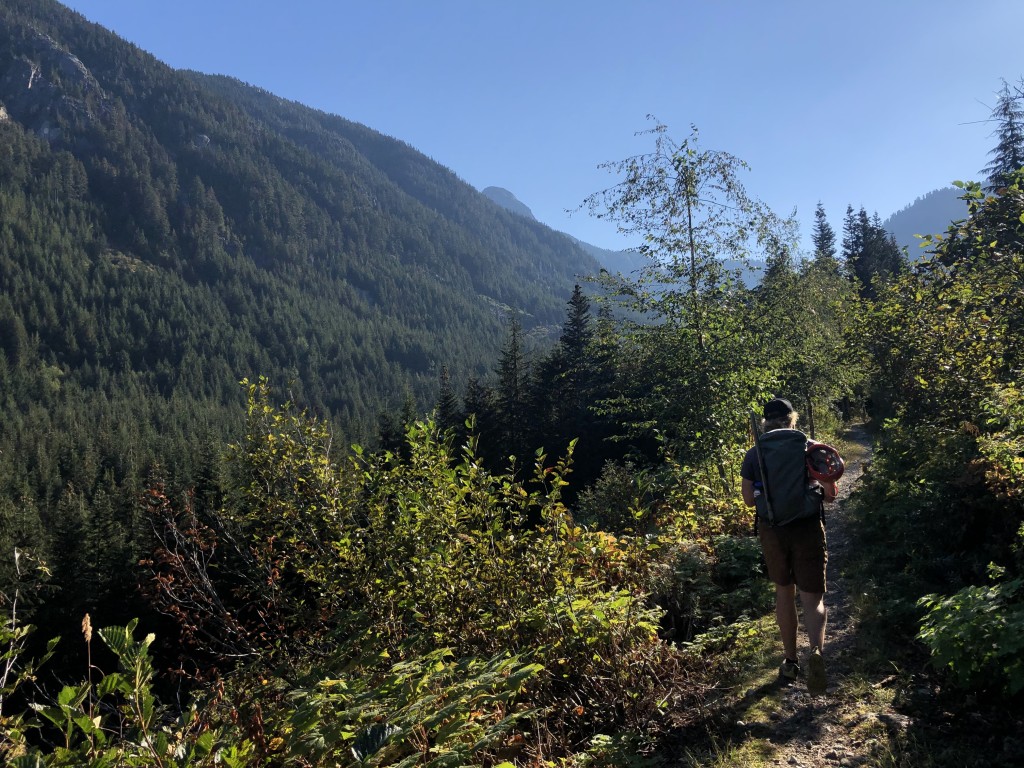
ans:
(508, 201)
(930, 214)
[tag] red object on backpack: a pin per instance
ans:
(824, 462)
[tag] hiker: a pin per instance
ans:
(790, 525)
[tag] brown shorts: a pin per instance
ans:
(795, 553)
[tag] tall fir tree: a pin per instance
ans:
(447, 409)
(565, 376)
(853, 237)
(513, 391)
(887, 257)
(1008, 154)
(824, 239)
(479, 408)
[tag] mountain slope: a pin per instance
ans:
(258, 236)
(929, 214)
(614, 261)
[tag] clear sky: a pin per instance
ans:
(871, 103)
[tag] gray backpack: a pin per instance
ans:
(788, 492)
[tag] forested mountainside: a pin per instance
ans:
(193, 218)
(928, 215)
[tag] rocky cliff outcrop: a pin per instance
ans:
(45, 88)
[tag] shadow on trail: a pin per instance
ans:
(797, 718)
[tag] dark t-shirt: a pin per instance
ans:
(750, 470)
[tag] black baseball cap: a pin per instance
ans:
(777, 408)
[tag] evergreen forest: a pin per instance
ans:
(312, 455)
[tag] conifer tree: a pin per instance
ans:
(479, 408)
(391, 427)
(478, 402)
(564, 379)
(576, 332)
(571, 389)
(886, 258)
(512, 391)
(448, 416)
(778, 269)
(869, 251)
(853, 237)
(824, 239)
(1008, 154)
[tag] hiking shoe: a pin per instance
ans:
(816, 678)
(789, 671)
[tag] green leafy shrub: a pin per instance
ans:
(431, 710)
(945, 494)
(619, 501)
(410, 552)
(701, 584)
(114, 721)
(685, 589)
(742, 586)
(977, 635)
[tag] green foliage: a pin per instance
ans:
(704, 585)
(1008, 154)
(29, 576)
(944, 499)
(410, 553)
(294, 506)
(113, 722)
(1001, 447)
(430, 710)
(977, 634)
(873, 258)
(824, 239)
(743, 589)
(545, 397)
(620, 750)
(805, 314)
(946, 331)
(699, 349)
(164, 234)
(620, 500)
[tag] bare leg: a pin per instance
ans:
(815, 616)
(785, 615)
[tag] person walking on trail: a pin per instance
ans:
(790, 525)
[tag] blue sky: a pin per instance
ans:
(871, 103)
